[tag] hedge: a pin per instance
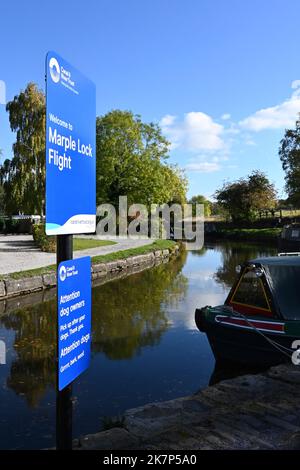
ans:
(44, 242)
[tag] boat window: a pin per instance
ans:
(295, 233)
(285, 285)
(250, 291)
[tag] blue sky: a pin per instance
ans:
(220, 76)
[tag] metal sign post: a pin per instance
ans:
(64, 252)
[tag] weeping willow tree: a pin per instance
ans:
(24, 175)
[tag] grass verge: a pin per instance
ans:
(255, 234)
(142, 250)
(85, 243)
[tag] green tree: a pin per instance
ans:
(25, 181)
(132, 160)
(289, 153)
(262, 193)
(199, 199)
(244, 198)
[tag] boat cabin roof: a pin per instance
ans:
(277, 261)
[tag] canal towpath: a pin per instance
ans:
(19, 252)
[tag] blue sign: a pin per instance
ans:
(74, 319)
(70, 149)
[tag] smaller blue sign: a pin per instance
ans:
(74, 319)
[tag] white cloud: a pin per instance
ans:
(203, 167)
(220, 158)
(279, 116)
(167, 120)
(295, 84)
(250, 142)
(196, 132)
(226, 116)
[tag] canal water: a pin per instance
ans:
(145, 346)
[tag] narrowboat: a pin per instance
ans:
(260, 319)
(289, 238)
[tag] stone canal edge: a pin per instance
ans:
(248, 412)
(10, 287)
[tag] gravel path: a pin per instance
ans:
(19, 253)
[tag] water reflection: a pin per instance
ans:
(127, 316)
(130, 315)
(32, 369)
(234, 254)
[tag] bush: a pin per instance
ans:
(44, 242)
(25, 226)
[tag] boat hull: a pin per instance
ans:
(241, 344)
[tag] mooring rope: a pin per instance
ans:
(273, 343)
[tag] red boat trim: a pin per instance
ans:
(270, 327)
(251, 310)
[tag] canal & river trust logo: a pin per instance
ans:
(54, 69)
(62, 273)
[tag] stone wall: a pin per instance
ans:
(10, 287)
(248, 412)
